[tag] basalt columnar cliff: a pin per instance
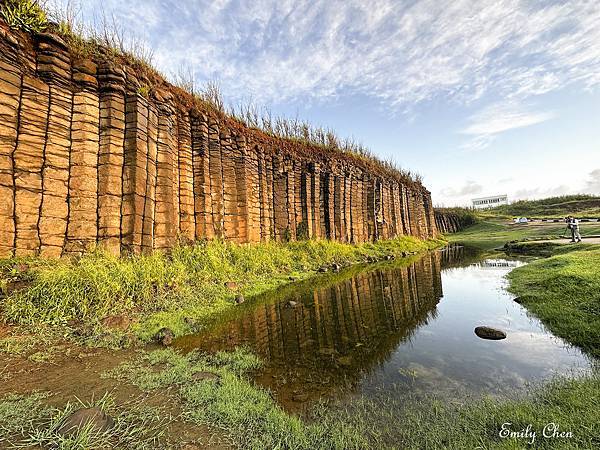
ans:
(95, 152)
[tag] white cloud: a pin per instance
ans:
(401, 52)
(498, 118)
(469, 188)
(592, 185)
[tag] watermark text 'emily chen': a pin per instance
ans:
(550, 431)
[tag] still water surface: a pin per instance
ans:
(405, 326)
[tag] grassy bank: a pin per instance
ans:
(494, 233)
(180, 291)
(564, 292)
(580, 205)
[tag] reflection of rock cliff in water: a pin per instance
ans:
(350, 324)
(456, 255)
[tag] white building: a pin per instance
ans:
(490, 202)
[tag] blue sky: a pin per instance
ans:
(480, 97)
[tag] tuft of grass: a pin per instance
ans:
(25, 15)
(26, 421)
(564, 292)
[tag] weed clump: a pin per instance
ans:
(25, 15)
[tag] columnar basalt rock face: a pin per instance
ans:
(447, 222)
(91, 156)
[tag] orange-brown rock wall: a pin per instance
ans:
(89, 156)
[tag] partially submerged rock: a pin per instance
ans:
(164, 336)
(490, 333)
(93, 419)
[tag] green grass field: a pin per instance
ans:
(552, 207)
(494, 232)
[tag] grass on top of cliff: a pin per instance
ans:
(179, 290)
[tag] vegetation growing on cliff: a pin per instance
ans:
(25, 15)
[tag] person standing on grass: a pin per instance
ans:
(574, 226)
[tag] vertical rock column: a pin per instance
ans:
(253, 193)
(82, 228)
(269, 197)
(405, 210)
(10, 100)
(230, 195)
(428, 204)
(291, 197)
(202, 187)
(359, 209)
(339, 216)
(216, 176)
(187, 217)
(28, 160)
(348, 205)
(307, 200)
(134, 171)
(167, 216)
(263, 195)
(110, 160)
(280, 200)
(397, 209)
(330, 204)
(54, 66)
(148, 181)
(243, 187)
(315, 190)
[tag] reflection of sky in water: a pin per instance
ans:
(447, 357)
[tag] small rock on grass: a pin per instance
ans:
(490, 333)
(239, 299)
(164, 336)
(94, 418)
(116, 322)
(206, 376)
(231, 285)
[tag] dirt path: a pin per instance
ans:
(585, 240)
